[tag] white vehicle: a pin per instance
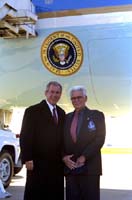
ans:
(10, 163)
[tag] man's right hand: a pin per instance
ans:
(69, 162)
(29, 165)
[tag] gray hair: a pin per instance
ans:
(55, 83)
(78, 88)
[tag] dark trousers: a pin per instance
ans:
(40, 186)
(83, 187)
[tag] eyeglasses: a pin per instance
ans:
(76, 98)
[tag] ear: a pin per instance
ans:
(45, 92)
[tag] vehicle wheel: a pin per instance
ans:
(6, 168)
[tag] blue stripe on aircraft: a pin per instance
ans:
(60, 5)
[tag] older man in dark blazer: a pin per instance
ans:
(83, 138)
(41, 142)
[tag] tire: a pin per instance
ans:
(6, 168)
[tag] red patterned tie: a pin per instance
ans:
(74, 127)
(55, 116)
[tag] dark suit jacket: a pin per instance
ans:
(90, 139)
(40, 139)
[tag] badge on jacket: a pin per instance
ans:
(91, 126)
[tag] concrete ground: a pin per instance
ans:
(116, 182)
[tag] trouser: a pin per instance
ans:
(84, 187)
(39, 186)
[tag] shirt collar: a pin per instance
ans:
(50, 106)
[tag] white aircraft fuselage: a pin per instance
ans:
(103, 65)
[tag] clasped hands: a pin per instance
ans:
(72, 164)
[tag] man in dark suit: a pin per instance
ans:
(84, 135)
(41, 142)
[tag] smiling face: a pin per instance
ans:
(53, 94)
(78, 100)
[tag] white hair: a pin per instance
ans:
(78, 88)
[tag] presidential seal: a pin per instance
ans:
(62, 53)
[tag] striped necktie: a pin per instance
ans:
(55, 116)
(73, 129)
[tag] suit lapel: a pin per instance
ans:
(45, 110)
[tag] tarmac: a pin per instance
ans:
(116, 181)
